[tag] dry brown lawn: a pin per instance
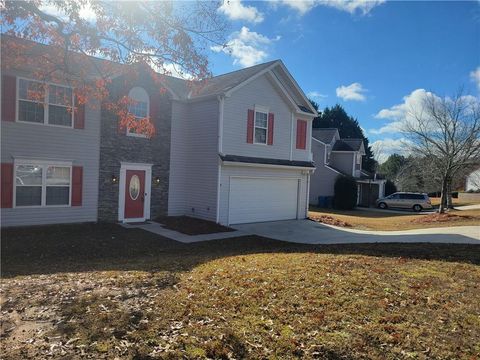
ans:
(386, 220)
(105, 292)
(456, 202)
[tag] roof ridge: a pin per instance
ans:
(245, 68)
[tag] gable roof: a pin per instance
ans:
(325, 135)
(226, 84)
(220, 84)
(348, 145)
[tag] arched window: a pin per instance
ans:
(140, 106)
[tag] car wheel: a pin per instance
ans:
(417, 208)
(382, 205)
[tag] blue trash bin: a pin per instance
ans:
(321, 201)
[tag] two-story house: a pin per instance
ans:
(235, 149)
(241, 149)
(335, 157)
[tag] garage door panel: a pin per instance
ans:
(262, 199)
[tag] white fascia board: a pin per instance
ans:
(295, 84)
(250, 79)
(332, 169)
(321, 142)
(235, 163)
(367, 181)
(279, 85)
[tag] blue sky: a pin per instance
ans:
(373, 58)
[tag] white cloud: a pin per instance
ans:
(246, 47)
(86, 12)
(315, 95)
(401, 113)
(406, 112)
(351, 6)
(354, 92)
(235, 10)
(176, 71)
(475, 77)
(382, 149)
(170, 69)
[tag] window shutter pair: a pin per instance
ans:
(9, 103)
(301, 134)
(251, 127)
(7, 185)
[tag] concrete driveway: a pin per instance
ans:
(310, 232)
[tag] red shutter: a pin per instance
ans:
(7, 185)
(250, 126)
(77, 185)
(79, 116)
(9, 94)
(301, 134)
(270, 128)
(154, 103)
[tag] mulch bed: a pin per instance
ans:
(437, 218)
(191, 226)
(330, 220)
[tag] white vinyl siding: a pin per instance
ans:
(80, 147)
(322, 181)
(194, 160)
(343, 161)
(260, 91)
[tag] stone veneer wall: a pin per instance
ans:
(116, 147)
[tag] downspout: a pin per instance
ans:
(307, 200)
(221, 101)
(291, 137)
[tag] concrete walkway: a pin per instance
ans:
(310, 232)
(158, 229)
(468, 207)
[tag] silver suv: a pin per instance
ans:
(405, 200)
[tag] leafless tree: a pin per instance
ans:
(446, 131)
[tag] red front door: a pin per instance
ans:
(134, 194)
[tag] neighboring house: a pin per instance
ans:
(236, 149)
(472, 181)
(335, 157)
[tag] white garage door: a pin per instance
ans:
(262, 199)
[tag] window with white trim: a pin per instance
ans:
(260, 126)
(40, 184)
(43, 103)
(139, 107)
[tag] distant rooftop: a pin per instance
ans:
(324, 135)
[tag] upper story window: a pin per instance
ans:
(45, 103)
(261, 125)
(42, 184)
(139, 107)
